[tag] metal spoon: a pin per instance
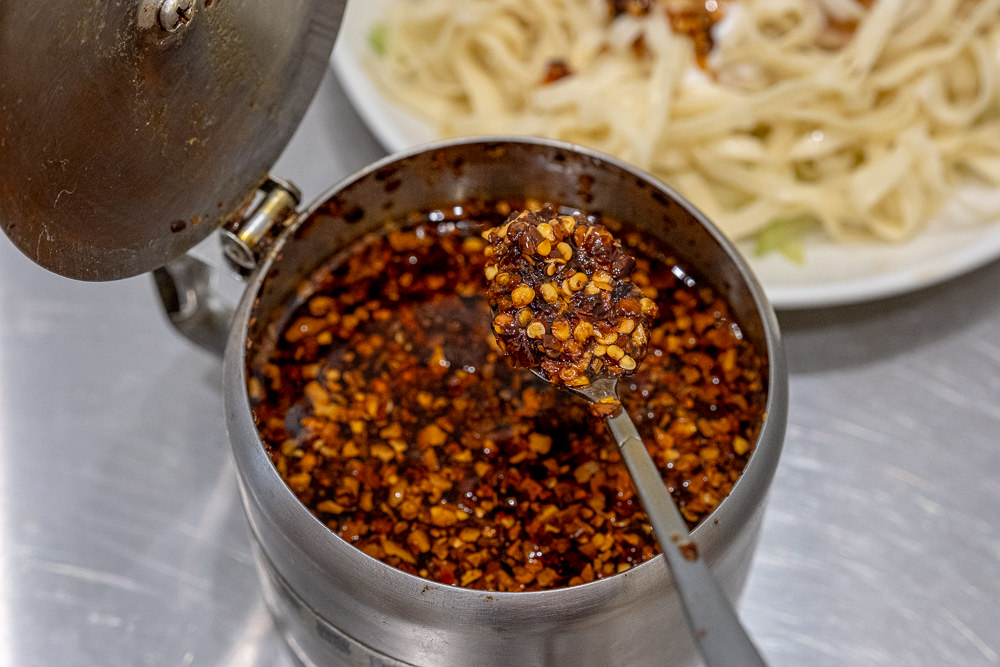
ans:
(717, 631)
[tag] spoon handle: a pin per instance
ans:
(717, 631)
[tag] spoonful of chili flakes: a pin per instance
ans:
(565, 307)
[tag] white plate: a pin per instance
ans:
(833, 273)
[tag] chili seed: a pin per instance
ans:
(536, 330)
(522, 295)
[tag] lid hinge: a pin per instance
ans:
(244, 241)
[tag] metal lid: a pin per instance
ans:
(131, 130)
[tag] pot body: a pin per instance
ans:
(336, 605)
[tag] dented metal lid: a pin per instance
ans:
(131, 130)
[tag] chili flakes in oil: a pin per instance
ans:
(389, 411)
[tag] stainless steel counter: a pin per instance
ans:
(123, 541)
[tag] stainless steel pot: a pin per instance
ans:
(196, 100)
(336, 605)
